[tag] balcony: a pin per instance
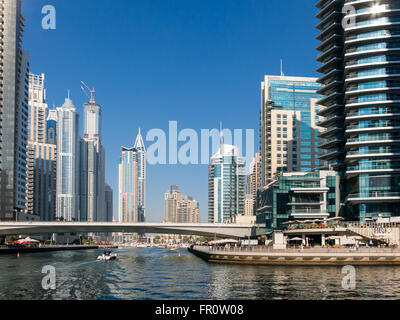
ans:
(373, 197)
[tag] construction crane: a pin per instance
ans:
(91, 91)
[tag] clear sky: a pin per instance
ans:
(198, 62)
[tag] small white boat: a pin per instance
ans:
(107, 255)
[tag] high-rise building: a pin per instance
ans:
(109, 203)
(141, 156)
(226, 184)
(14, 77)
(92, 165)
(41, 154)
(51, 132)
(132, 182)
(360, 66)
(179, 208)
(171, 199)
(289, 131)
(254, 179)
(249, 205)
(37, 109)
(68, 154)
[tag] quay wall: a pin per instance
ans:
(320, 256)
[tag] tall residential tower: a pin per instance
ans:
(360, 66)
(68, 152)
(132, 182)
(289, 126)
(41, 154)
(226, 184)
(92, 165)
(14, 73)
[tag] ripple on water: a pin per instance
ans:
(161, 274)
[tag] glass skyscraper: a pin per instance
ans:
(226, 184)
(360, 66)
(132, 182)
(289, 126)
(141, 156)
(14, 78)
(68, 151)
(92, 165)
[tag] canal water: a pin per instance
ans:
(152, 273)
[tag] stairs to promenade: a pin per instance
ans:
(373, 231)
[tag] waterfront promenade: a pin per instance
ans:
(299, 256)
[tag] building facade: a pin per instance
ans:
(128, 185)
(299, 196)
(132, 182)
(254, 180)
(249, 205)
(226, 184)
(68, 163)
(41, 155)
(179, 208)
(141, 157)
(109, 204)
(360, 67)
(14, 78)
(92, 165)
(289, 131)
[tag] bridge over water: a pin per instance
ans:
(218, 230)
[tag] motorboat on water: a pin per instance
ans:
(107, 255)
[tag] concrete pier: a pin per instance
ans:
(306, 256)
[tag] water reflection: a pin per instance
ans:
(146, 273)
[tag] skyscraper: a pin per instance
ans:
(141, 156)
(128, 186)
(254, 179)
(179, 208)
(360, 66)
(289, 131)
(14, 73)
(68, 154)
(132, 182)
(226, 184)
(171, 198)
(92, 165)
(41, 154)
(109, 203)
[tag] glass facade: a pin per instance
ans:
(313, 195)
(226, 184)
(14, 80)
(361, 78)
(289, 125)
(128, 185)
(68, 163)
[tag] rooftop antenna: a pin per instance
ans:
(92, 91)
(68, 93)
(282, 74)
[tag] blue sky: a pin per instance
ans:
(194, 61)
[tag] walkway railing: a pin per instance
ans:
(301, 250)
